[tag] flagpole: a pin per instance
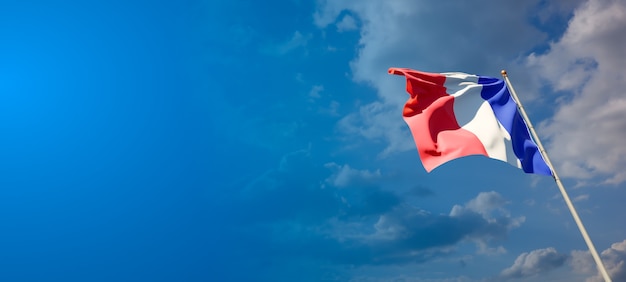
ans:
(543, 153)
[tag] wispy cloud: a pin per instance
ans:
(345, 175)
(315, 91)
(581, 198)
(297, 40)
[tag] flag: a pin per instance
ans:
(453, 115)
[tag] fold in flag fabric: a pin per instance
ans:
(453, 115)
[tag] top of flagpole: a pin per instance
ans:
(503, 72)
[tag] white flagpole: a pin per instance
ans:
(543, 153)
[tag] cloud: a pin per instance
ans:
(414, 34)
(581, 198)
(332, 109)
(315, 96)
(335, 218)
(407, 234)
(582, 262)
(347, 23)
(378, 121)
(296, 41)
(315, 91)
(586, 60)
(297, 211)
(345, 175)
(490, 206)
(534, 263)
(614, 259)
(486, 202)
(586, 132)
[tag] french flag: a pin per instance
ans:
(453, 115)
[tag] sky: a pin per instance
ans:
(263, 141)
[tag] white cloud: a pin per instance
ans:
(557, 9)
(377, 121)
(296, 41)
(581, 198)
(586, 134)
(582, 262)
(614, 259)
(490, 206)
(534, 263)
(315, 91)
(346, 24)
(486, 202)
(345, 176)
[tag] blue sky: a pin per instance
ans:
(263, 141)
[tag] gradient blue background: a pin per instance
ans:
(106, 152)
